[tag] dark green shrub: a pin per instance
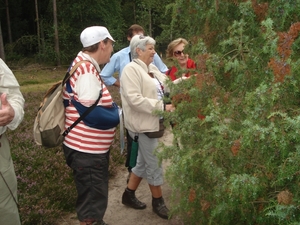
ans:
(239, 165)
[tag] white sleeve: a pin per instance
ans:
(10, 86)
(88, 88)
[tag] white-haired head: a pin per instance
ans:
(140, 41)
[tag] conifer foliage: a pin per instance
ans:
(236, 151)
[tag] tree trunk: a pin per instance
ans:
(56, 33)
(8, 22)
(2, 54)
(134, 12)
(42, 35)
(38, 25)
(150, 22)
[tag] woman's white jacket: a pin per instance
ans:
(139, 96)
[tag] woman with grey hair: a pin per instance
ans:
(142, 88)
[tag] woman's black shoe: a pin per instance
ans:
(129, 199)
(159, 207)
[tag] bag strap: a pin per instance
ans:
(9, 189)
(83, 115)
(70, 72)
(65, 133)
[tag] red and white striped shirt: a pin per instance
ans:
(86, 85)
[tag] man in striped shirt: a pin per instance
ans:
(86, 148)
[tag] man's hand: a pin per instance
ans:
(7, 112)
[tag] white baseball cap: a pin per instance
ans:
(93, 35)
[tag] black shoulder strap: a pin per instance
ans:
(129, 54)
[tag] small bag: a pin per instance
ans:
(134, 151)
(159, 133)
(101, 117)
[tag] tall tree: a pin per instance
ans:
(56, 34)
(2, 54)
(151, 14)
(8, 22)
(38, 25)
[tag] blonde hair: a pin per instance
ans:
(173, 44)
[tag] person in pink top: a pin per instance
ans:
(176, 52)
(86, 148)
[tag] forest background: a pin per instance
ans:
(236, 152)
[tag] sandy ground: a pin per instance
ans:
(118, 214)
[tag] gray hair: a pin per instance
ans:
(139, 41)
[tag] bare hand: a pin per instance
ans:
(7, 112)
(170, 108)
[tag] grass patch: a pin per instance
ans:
(34, 78)
(45, 183)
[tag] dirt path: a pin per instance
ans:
(118, 214)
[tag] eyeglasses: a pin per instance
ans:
(177, 53)
(112, 43)
(142, 37)
(106, 40)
